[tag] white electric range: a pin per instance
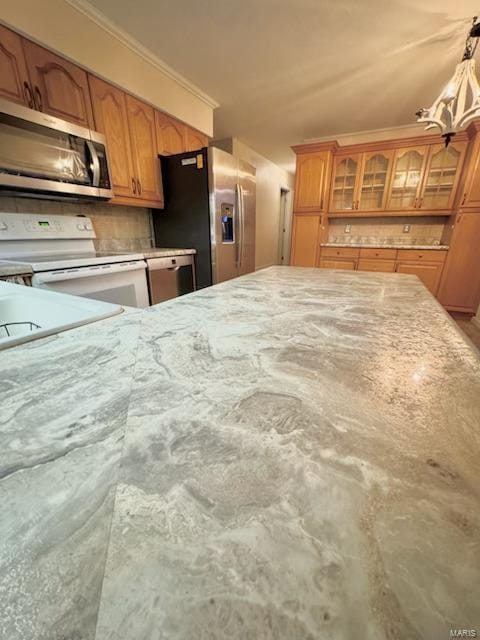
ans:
(61, 253)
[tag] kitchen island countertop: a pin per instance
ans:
(12, 269)
(289, 455)
(386, 245)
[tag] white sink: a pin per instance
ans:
(27, 313)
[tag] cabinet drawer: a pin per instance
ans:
(386, 266)
(428, 255)
(348, 265)
(340, 252)
(383, 254)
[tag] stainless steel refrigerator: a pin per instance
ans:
(210, 206)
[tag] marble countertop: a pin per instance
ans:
(9, 269)
(158, 252)
(362, 245)
(274, 458)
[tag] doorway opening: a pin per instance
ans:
(285, 230)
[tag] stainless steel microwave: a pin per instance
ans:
(47, 157)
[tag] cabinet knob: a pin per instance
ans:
(134, 185)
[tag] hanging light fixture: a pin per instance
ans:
(459, 102)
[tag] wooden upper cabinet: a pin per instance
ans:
(373, 181)
(60, 88)
(171, 135)
(195, 140)
(346, 171)
(470, 196)
(460, 285)
(442, 175)
(141, 121)
(311, 181)
(304, 241)
(407, 176)
(110, 114)
(14, 81)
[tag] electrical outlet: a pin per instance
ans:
(348, 228)
(406, 228)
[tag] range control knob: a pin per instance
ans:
(81, 227)
(3, 225)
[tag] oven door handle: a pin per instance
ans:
(86, 272)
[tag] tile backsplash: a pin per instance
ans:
(118, 228)
(423, 230)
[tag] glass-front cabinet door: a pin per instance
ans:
(441, 176)
(345, 180)
(373, 183)
(408, 170)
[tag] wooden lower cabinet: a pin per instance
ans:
(460, 285)
(429, 273)
(331, 263)
(383, 266)
(304, 240)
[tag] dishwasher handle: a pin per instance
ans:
(86, 272)
(172, 263)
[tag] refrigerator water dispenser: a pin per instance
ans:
(227, 223)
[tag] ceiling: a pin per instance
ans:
(288, 70)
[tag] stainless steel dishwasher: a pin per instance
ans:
(170, 277)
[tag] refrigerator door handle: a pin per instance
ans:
(238, 206)
(241, 225)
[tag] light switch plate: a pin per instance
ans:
(348, 228)
(406, 228)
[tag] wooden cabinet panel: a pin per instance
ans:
(428, 255)
(331, 263)
(311, 181)
(429, 273)
(344, 195)
(407, 176)
(460, 286)
(110, 113)
(60, 88)
(374, 177)
(384, 266)
(171, 135)
(383, 254)
(442, 175)
(141, 121)
(340, 252)
(304, 241)
(470, 198)
(14, 81)
(194, 139)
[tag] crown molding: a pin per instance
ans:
(122, 36)
(413, 129)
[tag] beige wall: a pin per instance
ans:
(117, 228)
(62, 26)
(270, 179)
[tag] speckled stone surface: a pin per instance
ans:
(300, 461)
(167, 253)
(386, 245)
(9, 269)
